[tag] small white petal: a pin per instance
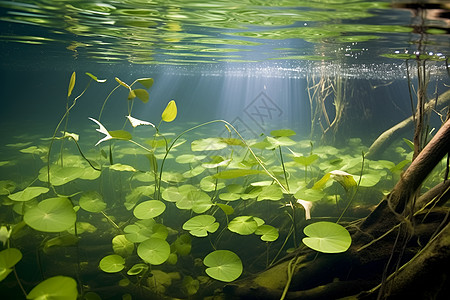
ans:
(136, 122)
(103, 130)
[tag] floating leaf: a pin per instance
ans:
(149, 209)
(183, 244)
(234, 173)
(208, 144)
(71, 84)
(282, 132)
(306, 160)
(112, 263)
(170, 113)
(60, 175)
(243, 225)
(327, 237)
(8, 258)
(155, 251)
(28, 193)
(279, 141)
(51, 215)
(272, 192)
(370, 179)
(146, 82)
(200, 225)
(144, 229)
(92, 201)
(223, 265)
(268, 233)
(122, 246)
(190, 285)
(209, 184)
(122, 168)
(55, 288)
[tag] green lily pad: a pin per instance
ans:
(8, 259)
(112, 263)
(51, 215)
(155, 251)
(282, 132)
(55, 288)
(149, 209)
(144, 229)
(122, 246)
(200, 225)
(306, 160)
(208, 144)
(183, 244)
(243, 225)
(190, 285)
(60, 175)
(92, 201)
(327, 237)
(122, 168)
(272, 192)
(279, 141)
(268, 233)
(223, 265)
(28, 193)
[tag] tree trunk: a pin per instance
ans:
(390, 135)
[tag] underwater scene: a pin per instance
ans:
(193, 149)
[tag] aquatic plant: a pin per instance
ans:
(168, 204)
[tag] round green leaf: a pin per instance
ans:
(243, 225)
(51, 215)
(224, 265)
(327, 237)
(55, 288)
(154, 251)
(200, 225)
(112, 263)
(149, 209)
(8, 258)
(28, 193)
(268, 233)
(122, 246)
(61, 175)
(92, 202)
(183, 244)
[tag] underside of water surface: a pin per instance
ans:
(224, 150)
